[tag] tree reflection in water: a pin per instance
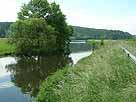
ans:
(29, 72)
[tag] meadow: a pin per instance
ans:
(5, 47)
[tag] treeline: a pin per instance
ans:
(4, 26)
(134, 36)
(90, 33)
(82, 33)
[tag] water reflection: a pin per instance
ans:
(29, 72)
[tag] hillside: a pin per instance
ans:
(134, 36)
(90, 33)
(81, 33)
(4, 26)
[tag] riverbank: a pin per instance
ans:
(6, 48)
(108, 75)
(131, 46)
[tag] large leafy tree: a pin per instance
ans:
(53, 15)
(33, 37)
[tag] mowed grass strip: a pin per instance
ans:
(108, 75)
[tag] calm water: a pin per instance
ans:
(20, 77)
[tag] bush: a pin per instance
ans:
(102, 42)
(95, 44)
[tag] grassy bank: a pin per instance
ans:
(5, 47)
(106, 76)
(131, 46)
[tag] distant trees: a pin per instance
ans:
(90, 33)
(41, 29)
(134, 37)
(4, 26)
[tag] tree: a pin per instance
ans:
(33, 37)
(54, 17)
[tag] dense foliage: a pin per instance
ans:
(89, 33)
(33, 37)
(35, 33)
(54, 17)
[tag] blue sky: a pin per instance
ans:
(109, 14)
(103, 7)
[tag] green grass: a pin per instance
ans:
(5, 47)
(131, 46)
(108, 75)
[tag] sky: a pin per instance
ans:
(101, 14)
